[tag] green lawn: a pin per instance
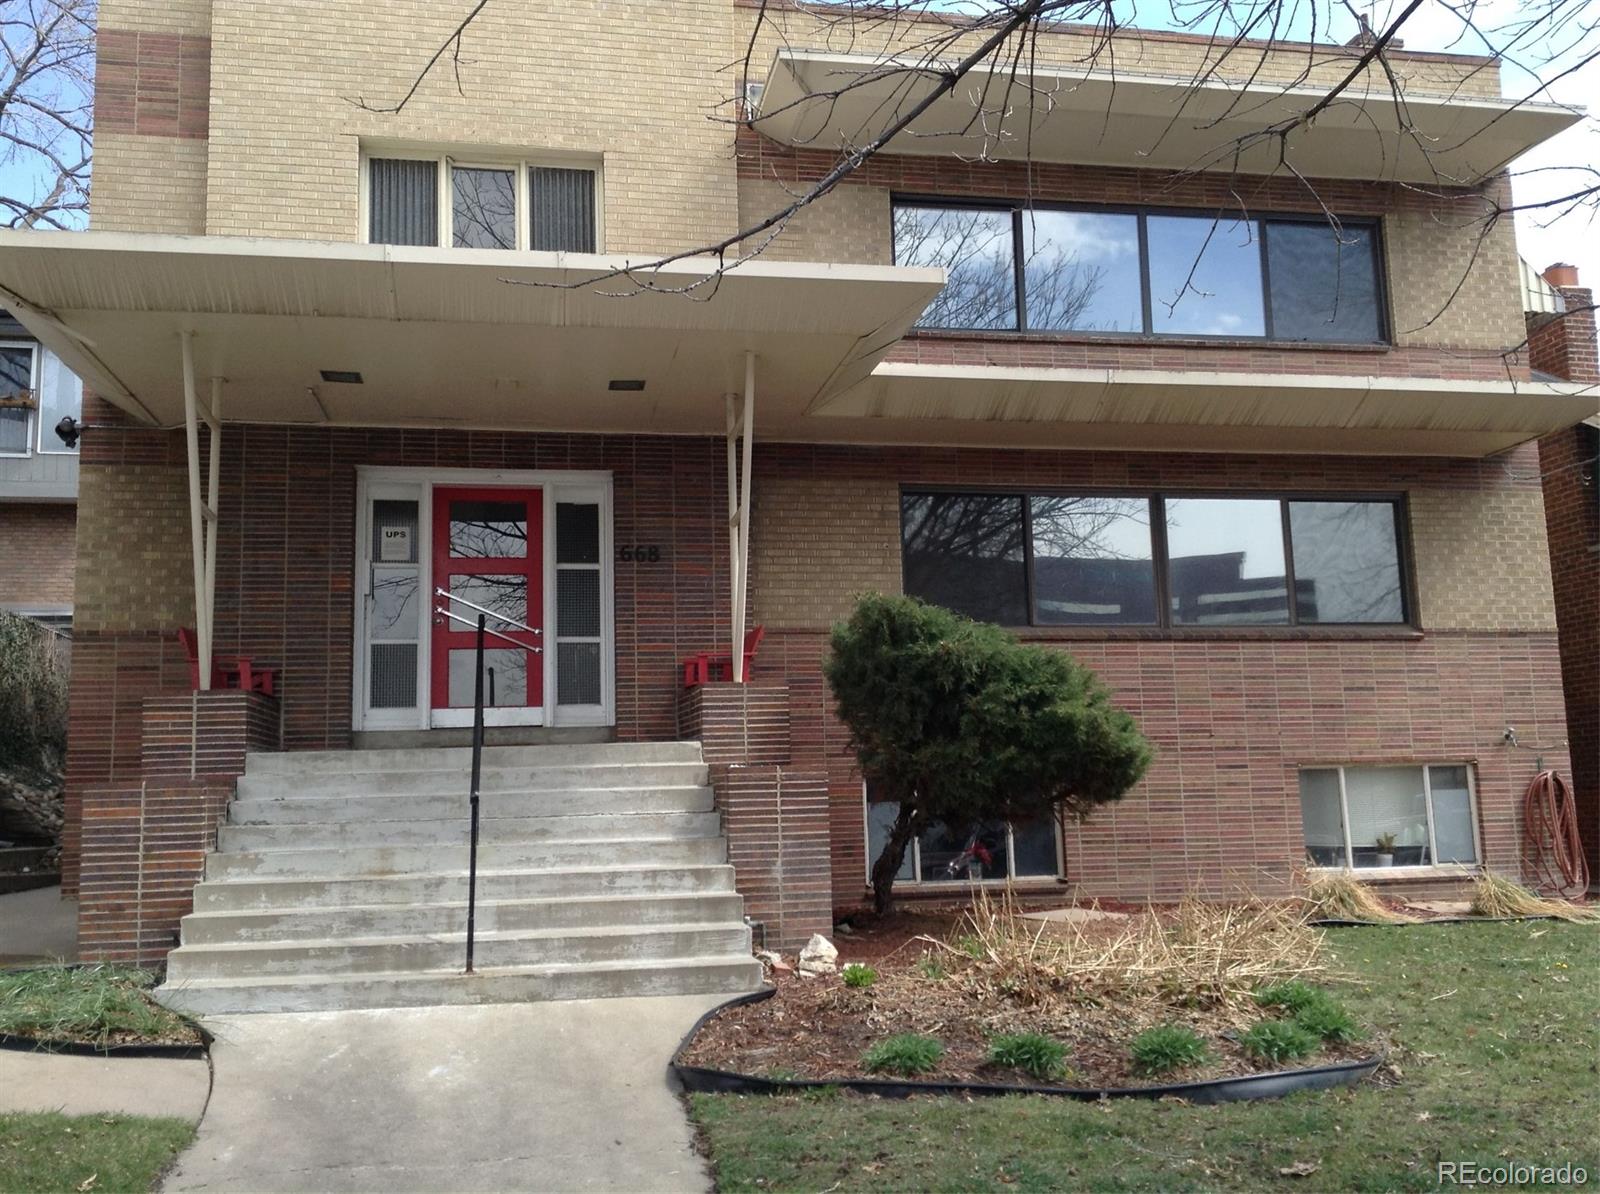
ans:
(1497, 1032)
(45, 1153)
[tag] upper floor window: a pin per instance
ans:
(36, 392)
(1155, 560)
(1153, 272)
(444, 202)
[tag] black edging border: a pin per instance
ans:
(1219, 1090)
(1436, 920)
(32, 1044)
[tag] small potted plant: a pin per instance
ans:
(1385, 845)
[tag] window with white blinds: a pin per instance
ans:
(492, 204)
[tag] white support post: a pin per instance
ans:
(744, 517)
(202, 509)
(735, 555)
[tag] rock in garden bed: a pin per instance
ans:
(1192, 994)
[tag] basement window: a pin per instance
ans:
(439, 200)
(1377, 818)
(979, 852)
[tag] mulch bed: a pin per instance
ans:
(817, 1028)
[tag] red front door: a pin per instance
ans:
(488, 550)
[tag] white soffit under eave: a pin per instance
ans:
(1085, 116)
(445, 335)
(1473, 417)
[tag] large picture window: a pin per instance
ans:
(1156, 559)
(443, 202)
(1378, 817)
(1156, 272)
(979, 852)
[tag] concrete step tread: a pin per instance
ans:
(461, 873)
(400, 794)
(246, 947)
(529, 901)
(590, 842)
(614, 966)
(450, 757)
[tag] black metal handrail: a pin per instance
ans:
(477, 744)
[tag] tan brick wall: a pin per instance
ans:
(148, 184)
(165, 16)
(815, 544)
(1482, 560)
(848, 224)
(1478, 541)
(1452, 278)
(36, 553)
(135, 569)
(633, 82)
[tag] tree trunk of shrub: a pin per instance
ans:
(894, 855)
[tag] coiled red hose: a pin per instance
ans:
(1552, 851)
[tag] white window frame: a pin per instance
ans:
(557, 485)
(914, 851)
(30, 429)
(43, 434)
(1431, 868)
(480, 159)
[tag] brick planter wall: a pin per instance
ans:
(737, 723)
(145, 842)
(776, 822)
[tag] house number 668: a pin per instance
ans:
(640, 553)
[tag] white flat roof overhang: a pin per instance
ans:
(446, 337)
(1092, 117)
(1192, 411)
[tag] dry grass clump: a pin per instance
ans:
(1339, 895)
(1495, 896)
(1199, 955)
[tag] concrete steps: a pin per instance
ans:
(340, 881)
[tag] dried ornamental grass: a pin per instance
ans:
(1200, 955)
(1495, 896)
(1339, 895)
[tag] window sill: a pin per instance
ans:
(1104, 338)
(953, 887)
(1218, 633)
(1367, 874)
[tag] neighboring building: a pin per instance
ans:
(1561, 344)
(38, 478)
(1301, 539)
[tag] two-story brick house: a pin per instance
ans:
(1290, 512)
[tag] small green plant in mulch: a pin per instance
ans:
(1167, 1047)
(907, 1054)
(95, 1005)
(932, 968)
(782, 1073)
(1290, 996)
(1034, 1054)
(1278, 1041)
(858, 976)
(1327, 1018)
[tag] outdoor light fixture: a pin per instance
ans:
(347, 376)
(625, 383)
(68, 431)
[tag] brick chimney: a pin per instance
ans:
(1563, 345)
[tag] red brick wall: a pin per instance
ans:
(37, 552)
(205, 733)
(1571, 475)
(155, 84)
(777, 825)
(1564, 345)
(737, 723)
(144, 847)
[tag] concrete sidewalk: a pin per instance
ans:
(37, 927)
(103, 1085)
(541, 1096)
